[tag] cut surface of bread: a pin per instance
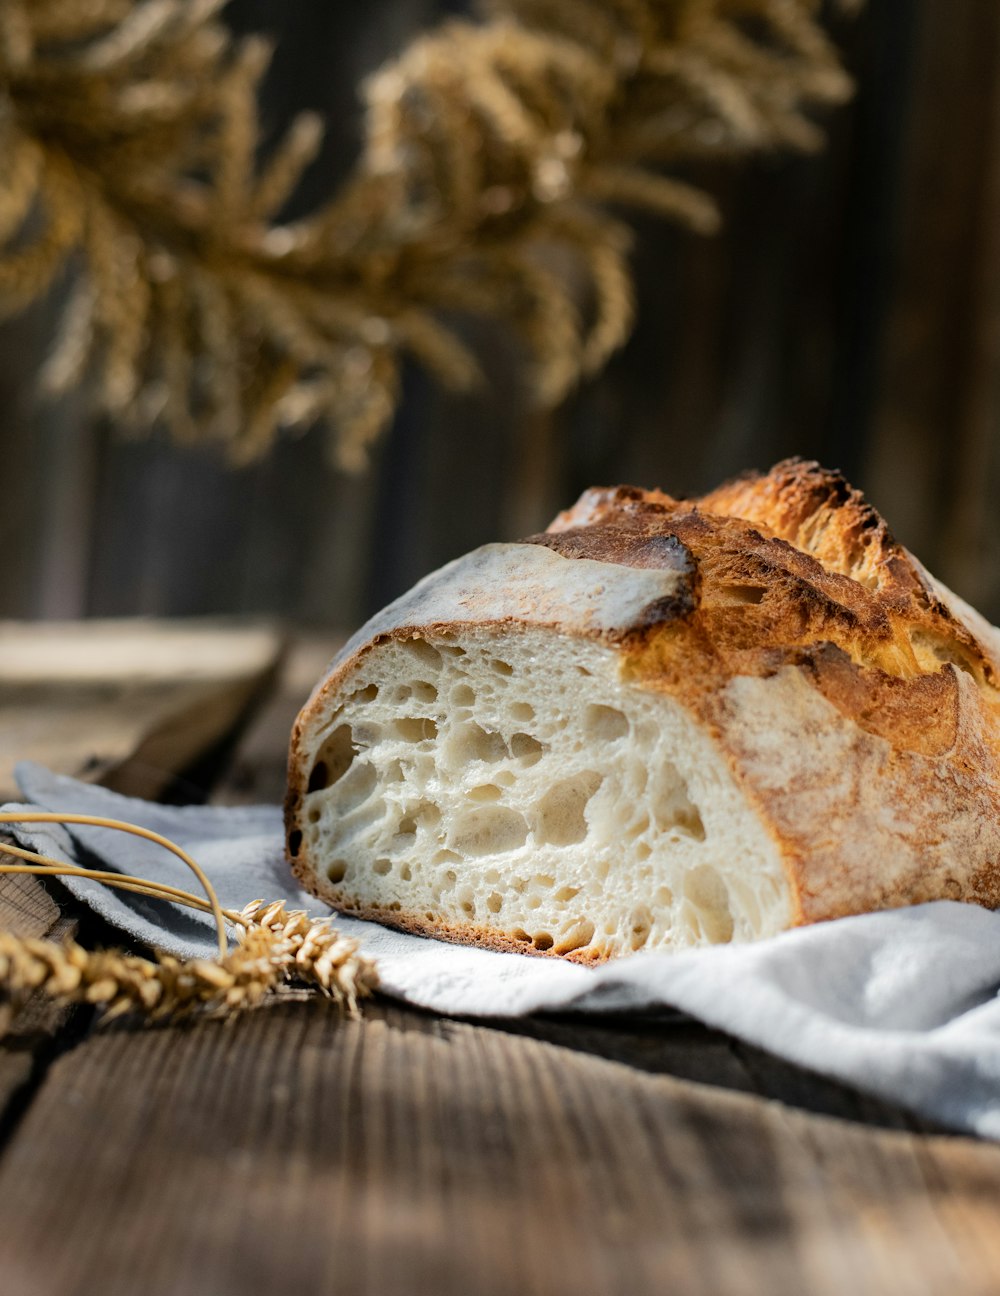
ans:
(513, 784)
(661, 723)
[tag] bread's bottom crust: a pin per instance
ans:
(466, 934)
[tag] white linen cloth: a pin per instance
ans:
(903, 1005)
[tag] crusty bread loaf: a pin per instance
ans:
(661, 723)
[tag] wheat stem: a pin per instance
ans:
(274, 945)
(42, 865)
(99, 821)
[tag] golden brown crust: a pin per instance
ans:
(465, 933)
(855, 700)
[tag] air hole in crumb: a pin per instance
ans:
(485, 792)
(582, 670)
(405, 873)
(543, 941)
(488, 830)
(494, 902)
(402, 694)
(640, 925)
(355, 787)
(502, 667)
(368, 694)
(333, 759)
(544, 880)
(491, 877)
(472, 742)
(706, 891)
(534, 902)
(673, 807)
(566, 893)
(526, 749)
(424, 652)
(452, 649)
(337, 870)
(406, 833)
(520, 935)
(415, 729)
(462, 695)
(382, 867)
(604, 723)
(424, 691)
(578, 937)
(522, 711)
(636, 829)
(315, 814)
(426, 813)
(561, 812)
(467, 902)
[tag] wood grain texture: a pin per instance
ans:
(257, 771)
(933, 461)
(28, 909)
(407, 1154)
(128, 703)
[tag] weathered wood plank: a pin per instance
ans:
(131, 703)
(409, 1154)
(687, 1050)
(28, 909)
(412, 1154)
(258, 769)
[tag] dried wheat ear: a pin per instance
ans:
(274, 946)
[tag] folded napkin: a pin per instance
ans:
(902, 1004)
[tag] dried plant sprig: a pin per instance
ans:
(119, 825)
(275, 947)
(130, 135)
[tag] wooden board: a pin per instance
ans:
(129, 703)
(27, 909)
(410, 1154)
(258, 770)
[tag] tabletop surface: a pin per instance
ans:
(293, 1149)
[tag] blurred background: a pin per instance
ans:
(849, 311)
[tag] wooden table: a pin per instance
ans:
(293, 1151)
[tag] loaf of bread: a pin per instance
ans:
(662, 723)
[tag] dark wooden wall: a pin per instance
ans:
(850, 311)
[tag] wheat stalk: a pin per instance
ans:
(274, 945)
(492, 154)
